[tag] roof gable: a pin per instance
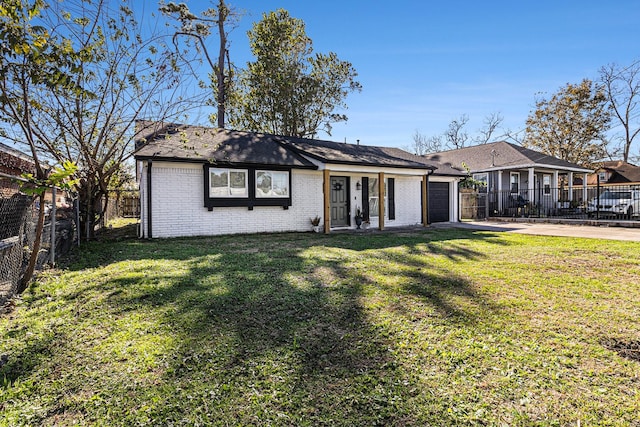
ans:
(200, 144)
(621, 172)
(220, 146)
(501, 155)
(356, 154)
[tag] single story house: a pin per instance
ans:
(516, 176)
(615, 172)
(205, 181)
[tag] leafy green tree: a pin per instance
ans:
(76, 75)
(32, 58)
(288, 90)
(571, 125)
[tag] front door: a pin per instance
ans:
(339, 201)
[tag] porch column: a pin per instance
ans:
(326, 189)
(555, 188)
(425, 201)
(381, 197)
(570, 178)
(584, 189)
(532, 185)
(500, 192)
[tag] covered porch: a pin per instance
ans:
(377, 198)
(534, 187)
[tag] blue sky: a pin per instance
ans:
(424, 63)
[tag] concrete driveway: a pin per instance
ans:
(547, 229)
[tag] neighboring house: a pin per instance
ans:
(205, 181)
(615, 173)
(518, 177)
(13, 163)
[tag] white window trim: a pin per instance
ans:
(546, 185)
(374, 213)
(511, 182)
(261, 195)
(229, 191)
(603, 176)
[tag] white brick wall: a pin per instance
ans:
(408, 206)
(407, 198)
(178, 204)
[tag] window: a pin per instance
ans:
(515, 182)
(228, 182)
(249, 187)
(546, 184)
(482, 179)
(602, 176)
(272, 184)
(374, 197)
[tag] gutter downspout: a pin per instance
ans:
(425, 199)
(149, 225)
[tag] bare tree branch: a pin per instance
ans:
(622, 88)
(491, 124)
(455, 136)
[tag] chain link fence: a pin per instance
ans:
(18, 219)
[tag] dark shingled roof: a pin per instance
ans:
(621, 172)
(501, 155)
(364, 155)
(174, 142)
(220, 146)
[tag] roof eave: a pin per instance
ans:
(535, 165)
(368, 164)
(222, 162)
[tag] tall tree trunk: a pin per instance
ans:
(87, 206)
(221, 101)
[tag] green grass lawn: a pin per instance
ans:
(435, 327)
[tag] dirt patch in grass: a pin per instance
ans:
(627, 349)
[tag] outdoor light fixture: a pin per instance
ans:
(358, 186)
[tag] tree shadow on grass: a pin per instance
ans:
(291, 325)
(274, 330)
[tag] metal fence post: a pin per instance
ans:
(76, 206)
(598, 196)
(52, 218)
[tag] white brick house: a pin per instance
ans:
(197, 181)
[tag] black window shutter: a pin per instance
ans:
(392, 197)
(365, 197)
